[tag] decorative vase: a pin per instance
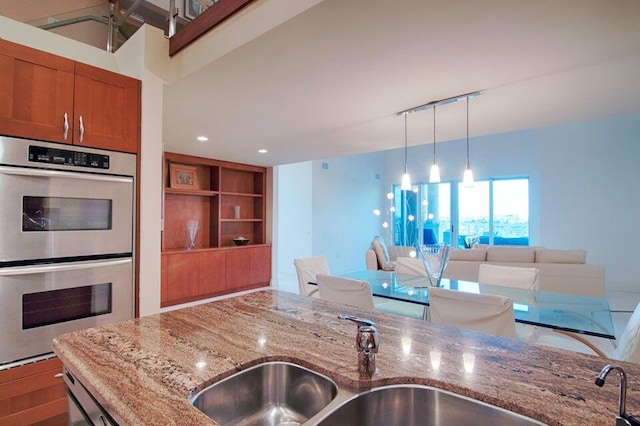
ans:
(435, 258)
(192, 229)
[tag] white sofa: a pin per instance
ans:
(561, 271)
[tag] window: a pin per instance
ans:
(494, 211)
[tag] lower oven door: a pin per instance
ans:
(40, 302)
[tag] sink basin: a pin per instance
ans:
(269, 394)
(409, 405)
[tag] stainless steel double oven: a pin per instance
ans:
(66, 243)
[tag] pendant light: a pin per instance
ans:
(405, 184)
(434, 175)
(467, 179)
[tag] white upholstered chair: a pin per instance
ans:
(345, 290)
(410, 266)
(628, 347)
(485, 313)
(406, 266)
(509, 276)
(307, 269)
(514, 277)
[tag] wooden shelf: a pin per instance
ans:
(198, 192)
(242, 194)
(216, 266)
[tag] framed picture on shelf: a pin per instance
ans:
(183, 177)
(193, 8)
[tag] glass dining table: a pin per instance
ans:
(568, 314)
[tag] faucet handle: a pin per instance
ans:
(367, 343)
(361, 322)
(367, 339)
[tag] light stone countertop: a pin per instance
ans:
(143, 371)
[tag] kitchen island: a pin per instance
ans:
(143, 371)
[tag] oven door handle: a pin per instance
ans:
(22, 171)
(58, 267)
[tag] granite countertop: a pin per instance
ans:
(143, 371)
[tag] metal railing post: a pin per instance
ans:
(173, 13)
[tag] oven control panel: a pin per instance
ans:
(65, 157)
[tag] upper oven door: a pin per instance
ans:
(56, 214)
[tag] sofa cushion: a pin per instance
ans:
(577, 256)
(382, 254)
(477, 254)
(511, 254)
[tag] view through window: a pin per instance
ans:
(494, 211)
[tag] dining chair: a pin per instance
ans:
(345, 290)
(307, 269)
(486, 313)
(627, 349)
(410, 266)
(513, 277)
(509, 276)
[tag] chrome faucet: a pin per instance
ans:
(367, 343)
(622, 419)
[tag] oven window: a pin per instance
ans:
(56, 306)
(65, 214)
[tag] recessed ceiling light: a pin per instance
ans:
(202, 138)
(262, 151)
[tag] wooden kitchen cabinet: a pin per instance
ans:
(183, 276)
(204, 273)
(212, 280)
(108, 107)
(33, 394)
(51, 98)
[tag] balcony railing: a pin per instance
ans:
(204, 19)
(118, 20)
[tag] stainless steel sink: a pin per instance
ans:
(409, 405)
(269, 394)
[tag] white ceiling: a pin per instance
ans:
(329, 81)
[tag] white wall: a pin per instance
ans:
(27, 35)
(139, 56)
(292, 219)
(583, 193)
(344, 196)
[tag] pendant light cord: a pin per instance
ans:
(468, 165)
(434, 135)
(405, 142)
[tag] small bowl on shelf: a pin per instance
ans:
(241, 241)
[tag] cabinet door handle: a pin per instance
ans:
(57, 376)
(81, 129)
(66, 126)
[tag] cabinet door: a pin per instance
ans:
(33, 393)
(164, 280)
(107, 109)
(238, 268)
(182, 277)
(36, 92)
(213, 278)
(260, 261)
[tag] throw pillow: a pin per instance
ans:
(474, 254)
(382, 254)
(511, 254)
